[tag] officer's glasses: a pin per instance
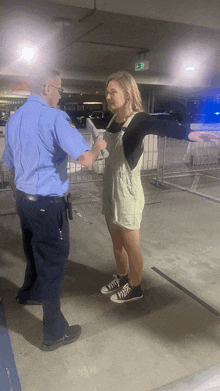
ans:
(60, 90)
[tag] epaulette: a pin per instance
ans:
(70, 122)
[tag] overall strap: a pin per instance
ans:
(127, 122)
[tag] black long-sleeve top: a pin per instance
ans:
(141, 125)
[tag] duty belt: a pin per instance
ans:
(36, 197)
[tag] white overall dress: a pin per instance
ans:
(123, 197)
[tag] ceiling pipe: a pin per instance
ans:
(116, 45)
(77, 40)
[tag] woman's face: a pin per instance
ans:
(115, 96)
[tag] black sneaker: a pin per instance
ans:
(128, 293)
(117, 283)
(72, 335)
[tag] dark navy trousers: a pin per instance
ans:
(45, 231)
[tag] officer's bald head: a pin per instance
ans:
(38, 80)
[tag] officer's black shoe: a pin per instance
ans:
(72, 335)
(21, 301)
(27, 302)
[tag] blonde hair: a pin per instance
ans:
(129, 85)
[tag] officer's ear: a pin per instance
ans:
(46, 90)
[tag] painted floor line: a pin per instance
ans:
(194, 297)
(208, 379)
(9, 380)
(195, 183)
(192, 192)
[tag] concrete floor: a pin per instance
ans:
(141, 346)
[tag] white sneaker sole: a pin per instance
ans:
(116, 300)
(109, 292)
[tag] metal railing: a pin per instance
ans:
(178, 158)
(79, 174)
(162, 158)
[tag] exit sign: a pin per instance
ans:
(142, 66)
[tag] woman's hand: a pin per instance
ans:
(203, 136)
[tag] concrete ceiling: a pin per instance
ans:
(87, 40)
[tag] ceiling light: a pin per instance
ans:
(27, 53)
(189, 69)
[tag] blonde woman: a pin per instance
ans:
(123, 196)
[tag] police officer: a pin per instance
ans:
(38, 140)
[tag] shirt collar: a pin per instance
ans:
(38, 99)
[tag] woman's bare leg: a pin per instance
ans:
(131, 242)
(120, 254)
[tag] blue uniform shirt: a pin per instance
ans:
(38, 140)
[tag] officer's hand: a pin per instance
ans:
(101, 143)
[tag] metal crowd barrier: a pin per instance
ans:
(162, 158)
(4, 185)
(79, 174)
(178, 158)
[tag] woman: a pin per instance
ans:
(123, 197)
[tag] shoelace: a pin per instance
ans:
(114, 283)
(126, 289)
